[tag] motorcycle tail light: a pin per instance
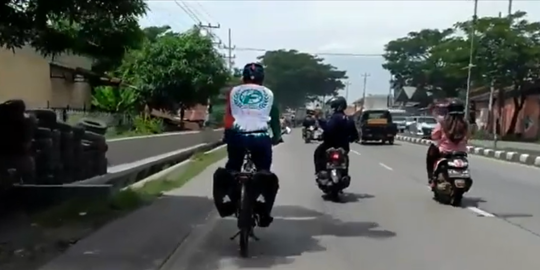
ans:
(335, 156)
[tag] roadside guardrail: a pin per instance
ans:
(131, 149)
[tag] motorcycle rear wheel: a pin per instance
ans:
(456, 199)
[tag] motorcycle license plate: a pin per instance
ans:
(459, 183)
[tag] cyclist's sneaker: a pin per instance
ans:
(265, 221)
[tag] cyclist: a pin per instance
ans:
(249, 113)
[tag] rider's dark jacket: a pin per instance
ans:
(339, 130)
(308, 121)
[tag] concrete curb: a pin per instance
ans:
(516, 157)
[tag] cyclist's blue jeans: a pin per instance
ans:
(260, 148)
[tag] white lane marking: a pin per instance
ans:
(475, 210)
(356, 152)
(296, 218)
(386, 166)
(480, 211)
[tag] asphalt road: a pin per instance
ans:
(388, 219)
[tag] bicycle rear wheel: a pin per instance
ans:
(245, 222)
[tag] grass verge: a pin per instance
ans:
(96, 213)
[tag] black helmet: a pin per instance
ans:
(338, 103)
(253, 72)
(456, 107)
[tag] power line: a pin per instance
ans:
(205, 12)
(187, 11)
(317, 53)
(193, 10)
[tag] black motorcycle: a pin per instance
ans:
(451, 178)
(308, 134)
(335, 178)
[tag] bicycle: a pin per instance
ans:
(244, 213)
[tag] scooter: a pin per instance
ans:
(308, 135)
(334, 179)
(318, 134)
(451, 178)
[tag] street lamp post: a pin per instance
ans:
(471, 57)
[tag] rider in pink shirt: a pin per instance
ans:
(444, 142)
(450, 134)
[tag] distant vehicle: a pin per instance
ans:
(377, 125)
(399, 117)
(423, 126)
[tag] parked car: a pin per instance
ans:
(401, 123)
(423, 126)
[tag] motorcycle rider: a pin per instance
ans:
(339, 131)
(309, 121)
(450, 134)
(250, 110)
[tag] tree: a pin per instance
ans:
(115, 100)
(153, 32)
(176, 68)
(98, 28)
(294, 76)
(426, 60)
(507, 53)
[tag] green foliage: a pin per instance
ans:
(115, 100)
(419, 60)
(175, 68)
(153, 32)
(294, 76)
(506, 52)
(98, 28)
(147, 125)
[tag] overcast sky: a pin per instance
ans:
(359, 27)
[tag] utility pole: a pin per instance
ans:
(365, 75)
(471, 56)
(230, 48)
(207, 28)
(510, 2)
(390, 88)
(491, 109)
(347, 84)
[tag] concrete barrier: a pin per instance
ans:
(100, 187)
(128, 150)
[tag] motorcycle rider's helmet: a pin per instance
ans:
(456, 107)
(253, 73)
(338, 103)
(439, 110)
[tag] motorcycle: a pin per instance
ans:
(335, 179)
(308, 135)
(318, 134)
(451, 178)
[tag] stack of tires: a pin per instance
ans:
(16, 159)
(65, 153)
(46, 147)
(94, 148)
